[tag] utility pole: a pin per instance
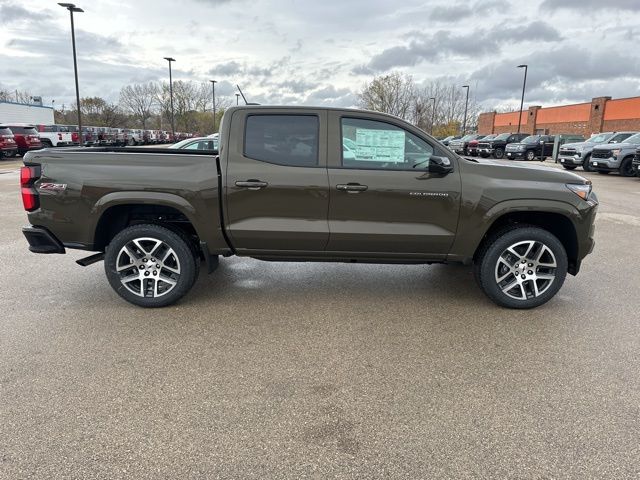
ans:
(524, 85)
(72, 8)
(213, 89)
(173, 125)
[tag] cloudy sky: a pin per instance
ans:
(322, 52)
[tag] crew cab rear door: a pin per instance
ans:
(383, 200)
(277, 190)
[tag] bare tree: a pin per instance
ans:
(139, 99)
(393, 94)
(18, 96)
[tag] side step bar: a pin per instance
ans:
(90, 260)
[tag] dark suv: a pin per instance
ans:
(531, 147)
(496, 147)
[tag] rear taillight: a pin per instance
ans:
(74, 136)
(60, 136)
(30, 198)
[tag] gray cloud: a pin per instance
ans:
(444, 42)
(587, 6)
(12, 12)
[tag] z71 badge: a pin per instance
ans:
(53, 187)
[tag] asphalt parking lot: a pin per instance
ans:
(291, 370)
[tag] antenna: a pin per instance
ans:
(243, 97)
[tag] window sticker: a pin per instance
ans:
(379, 145)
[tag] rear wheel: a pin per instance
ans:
(626, 168)
(150, 265)
(522, 267)
(569, 167)
(604, 172)
(498, 153)
(46, 143)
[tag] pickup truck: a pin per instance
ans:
(573, 155)
(308, 184)
(615, 157)
(496, 146)
(533, 147)
(56, 136)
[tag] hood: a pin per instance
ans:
(616, 146)
(526, 171)
(574, 145)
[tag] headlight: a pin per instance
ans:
(579, 149)
(614, 153)
(581, 189)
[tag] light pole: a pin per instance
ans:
(72, 8)
(237, 99)
(466, 105)
(173, 126)
(213, 90)
(433, 113)
(524, 84)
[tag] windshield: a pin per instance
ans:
(466, 138)
(489, 137)
(5, 131)
(632, 139)
(531, 139)
(503, 136)
(603, 137)
(182, 143)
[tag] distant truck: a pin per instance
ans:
(57, 136)
(497, 146)
(573, 155)
(615, 157)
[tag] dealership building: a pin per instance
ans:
(602, 114)
(37, 114)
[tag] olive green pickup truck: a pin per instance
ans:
(308, 184)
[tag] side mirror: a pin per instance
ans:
(440, 165)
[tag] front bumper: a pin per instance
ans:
(570, 160)
(42, 240)
(514, 154)
(606, 164)
(7, 152)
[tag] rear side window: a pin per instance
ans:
(282, 139)
(24, 131)
(5, 131)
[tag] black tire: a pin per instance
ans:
(530, 155)
(604, 172)
(183, 257)
(498, 153)
(626, 167)
(131, 142)
(488, 263)
(585, 165)
(46, 143)
(569, 167)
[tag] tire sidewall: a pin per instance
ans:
(499, 151)
(500, 244)
(175, 241)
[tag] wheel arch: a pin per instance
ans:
(554, 222)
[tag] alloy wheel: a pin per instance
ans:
(148, 267)
(525, 270)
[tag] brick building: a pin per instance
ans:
(602, 114)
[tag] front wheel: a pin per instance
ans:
(521, 268)
(569, 167)
(626, 168)
(531, 155)
(150, 265)
(498, 153)
(604, 172)
(585, 165)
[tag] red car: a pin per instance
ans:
(472, 147)
(26, 136)
(8, 146)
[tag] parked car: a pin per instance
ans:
(75, 137)
(636, 163)
(131, 137)
(445, 141)
(460, 145)
(273, 194)
(8, 145)
(574, 155)
(615, 157)
(199, 143)
(496, 146)
(533, 147)
(26, 137)
(54, 135)
(472, 147)
(105, 136)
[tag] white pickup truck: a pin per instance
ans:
(56, 136)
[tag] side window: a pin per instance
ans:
(370, 144)
(193, 146)
(282, 139)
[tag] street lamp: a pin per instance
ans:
(237, 99)
(466, 104)
(524, 84)
(213, 89)
(433, 113)
(173, 126)
(72, 8)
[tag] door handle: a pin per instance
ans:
(252, 184)
(351, 187)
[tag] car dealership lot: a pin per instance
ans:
(278, 370)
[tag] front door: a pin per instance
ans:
(383, 200)
(277, 191)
